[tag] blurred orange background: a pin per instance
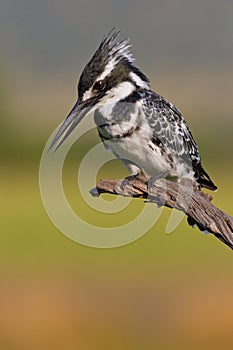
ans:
(163, 291)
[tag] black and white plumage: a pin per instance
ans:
(139, 126)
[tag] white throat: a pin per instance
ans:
(115, 95)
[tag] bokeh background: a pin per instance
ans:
(162, 291)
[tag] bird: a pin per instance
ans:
(142, 129)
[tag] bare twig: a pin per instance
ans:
(184, 197)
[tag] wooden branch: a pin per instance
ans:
(184, 197)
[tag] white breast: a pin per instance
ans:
(139, 149)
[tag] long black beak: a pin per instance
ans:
(77, 113)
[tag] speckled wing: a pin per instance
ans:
(171, 131)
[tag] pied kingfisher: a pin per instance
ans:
(138, 125)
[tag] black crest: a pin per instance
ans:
(110, 52)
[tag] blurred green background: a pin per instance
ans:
(162, 291)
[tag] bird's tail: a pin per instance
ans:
(224, 238)
(203, 178)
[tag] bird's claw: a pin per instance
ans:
(125, 182)
(152, 180)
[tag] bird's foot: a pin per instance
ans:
(152, 180)
(126, 182)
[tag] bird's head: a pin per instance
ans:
(110, 76)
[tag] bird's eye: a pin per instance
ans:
(99, 85)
